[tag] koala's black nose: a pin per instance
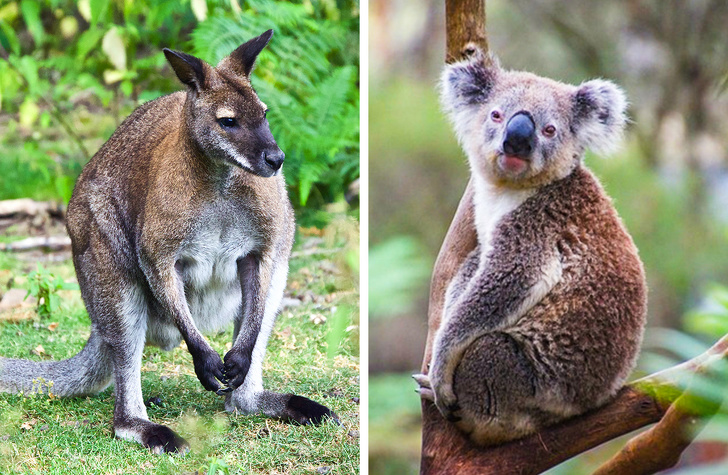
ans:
(274, 158)
(520, 135)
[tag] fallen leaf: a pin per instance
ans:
(52, 326)
(317, 318)
(38, 350)
(290, 344)
(27, 425)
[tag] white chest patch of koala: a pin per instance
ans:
(491, 204)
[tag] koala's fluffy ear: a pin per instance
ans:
(468, 83)
(599, 115)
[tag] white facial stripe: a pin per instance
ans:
(224, 112)
(228, 148)
(265, 107)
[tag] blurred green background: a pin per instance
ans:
(71, 71)
(669, 182)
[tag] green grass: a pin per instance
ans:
(39, 434)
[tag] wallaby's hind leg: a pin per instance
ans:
(250, 397)
(127, 344)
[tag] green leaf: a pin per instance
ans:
(8, 38)
(199, 8)
(337, 330)
(31, 15)
(87, 42)
(84, 8)
(98, 10)
(113, 46)
(28, 112)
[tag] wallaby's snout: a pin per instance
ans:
(274, 159)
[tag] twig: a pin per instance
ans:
(50, 243)
(315, 251)
(27, 206)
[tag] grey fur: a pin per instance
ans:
(544, 319)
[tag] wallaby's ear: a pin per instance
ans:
(243, 58)
(189, 70)
(599, 115)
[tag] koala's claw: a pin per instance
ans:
(423, 380)
(425, 390)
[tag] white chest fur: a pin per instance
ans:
(209, 270)
(491, 204)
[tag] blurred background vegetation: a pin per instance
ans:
(72, 70)
(669, 182)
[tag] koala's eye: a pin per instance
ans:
(496, 116)
(227, 122)
(549, 131)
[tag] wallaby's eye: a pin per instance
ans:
(549, 131)
(227, 122)
(265, 113)
(496, 116)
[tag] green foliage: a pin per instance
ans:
(712, 317)
(43, 286)
(397, 269)
(308, 77)
(81, 61)
(42, 434)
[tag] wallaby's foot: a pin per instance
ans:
(305, 411)
(237, 364)
(158, 438)
(209, 369)
(288, 407)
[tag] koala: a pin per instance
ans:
(544, 319)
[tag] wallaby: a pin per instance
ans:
(180, 224)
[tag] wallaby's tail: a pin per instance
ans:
(86, 373)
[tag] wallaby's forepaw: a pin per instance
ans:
(425, 387)
(210, 370)
(305, 411)
(237, 364)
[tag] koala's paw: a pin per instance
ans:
(441, 393)
(449, 410)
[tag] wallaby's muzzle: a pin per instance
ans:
(274, 159)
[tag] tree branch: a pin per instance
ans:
(657, 397)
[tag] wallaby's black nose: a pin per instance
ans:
(274, 159)
(520, 135)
